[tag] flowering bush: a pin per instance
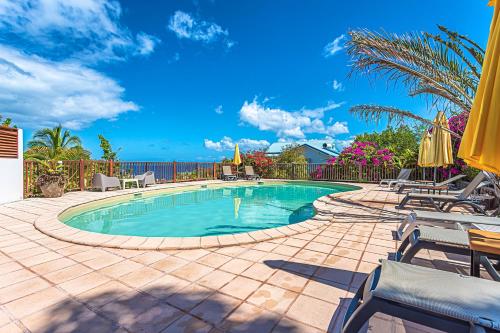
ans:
(261, 163)
(363, 153)
(457, 125)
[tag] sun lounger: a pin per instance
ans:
(403, 175)
(446, 220)
(250, 173)
(147, 178)
(429, 187)
(441, 300)
(227, 174)
(103, 182)
(444, 202)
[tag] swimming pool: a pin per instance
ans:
(205, 211)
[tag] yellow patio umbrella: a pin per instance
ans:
(441, 153)
(237, 157)
(480, 147)
(424, 150)
(237, 203)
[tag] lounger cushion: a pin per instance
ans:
(457, 296)
(444, 197)
(441, 235)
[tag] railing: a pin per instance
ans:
(79, 173)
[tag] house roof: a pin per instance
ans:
(277, 147)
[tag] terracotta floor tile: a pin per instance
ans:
(240, 287)
(102, 261)
(286, 250)
(9, 267)
(192, 271)
(312, 311)
(249, 318)
(326, 290)
(216, 279)
(346, 252)
(258, 271)
(155, 319)
(150, 257)
(11, 328)
(35, 302)
(165, 286)
(128, 307)
(67, 273)
(103, 294)
(319, 247)
(252, 255)
(272, 298)
(192, 255)
(287, 325)
(51, 266)
(295, 242)
(313, 257)
(15, 277)
(236, 266)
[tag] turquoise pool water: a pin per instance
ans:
(205, 212)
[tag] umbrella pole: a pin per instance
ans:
(435, 175)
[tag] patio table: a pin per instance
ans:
(124, 182)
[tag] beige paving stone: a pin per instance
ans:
(240, 287)
(312, 311)
(121, 268)
(37, 301)
(141, 277)
(249, 318)
(236, 266)
(192, 271)
(15, 277)
(215, 308)
(169, 264)
(21, 289)
(287, 325)
(165, 286)
(252, 255)
(288, 280)
(186, 324)
(312, 257)
(192, 254)
(189, 296)
(286, 250)
(148, 258)
(326, 290)
(83, 283)
(9, 267)
(214, 260)
(155, 319)
(272, 298)
(104, 293)
(11, 328)
(319, 247)
(258, 271)
(216, 279)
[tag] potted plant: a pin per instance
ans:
(53, 182)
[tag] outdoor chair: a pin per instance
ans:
(103, 182)
(147, 178)
(438, 299)
(227, 174)
(403, 176)
(445, 202)
(250, 173)
(486, 246)
(429, 187)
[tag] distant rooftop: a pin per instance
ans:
(326, 148)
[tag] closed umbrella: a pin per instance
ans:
(480, 147)
(441, 153)
(424, 151)
(237, 157)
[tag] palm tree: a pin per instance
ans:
(55, 143)
(445, 67)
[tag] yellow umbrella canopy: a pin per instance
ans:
(237, 157)
(480, 147)
(237, 203)
(424, 150)
(441, 153)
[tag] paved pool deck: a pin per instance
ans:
(295, 283)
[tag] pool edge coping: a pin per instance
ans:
(50, 225)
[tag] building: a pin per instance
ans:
(313, 152)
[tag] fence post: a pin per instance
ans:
(197, 171)
(215, 171)
(360, 173)
(174, 175)
(293, 170)
(82, 176)
(111, 168)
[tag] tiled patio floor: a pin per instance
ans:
(294, 284)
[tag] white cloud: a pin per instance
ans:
(334, 47)
(38, 92)
(186, 26)
(219, 109)
(227, 143)
(337, 86)
(290, 124)
(83, 29)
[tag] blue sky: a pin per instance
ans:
(185, 80)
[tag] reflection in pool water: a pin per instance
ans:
(204, 212)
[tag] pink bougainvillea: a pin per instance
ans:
(363, 153)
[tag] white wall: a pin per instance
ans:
(11, 175)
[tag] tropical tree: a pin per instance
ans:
(292, 153)
(55, 144)
(7, 122)
(445, 67)
(107, 151)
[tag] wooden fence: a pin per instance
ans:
(80, 172)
